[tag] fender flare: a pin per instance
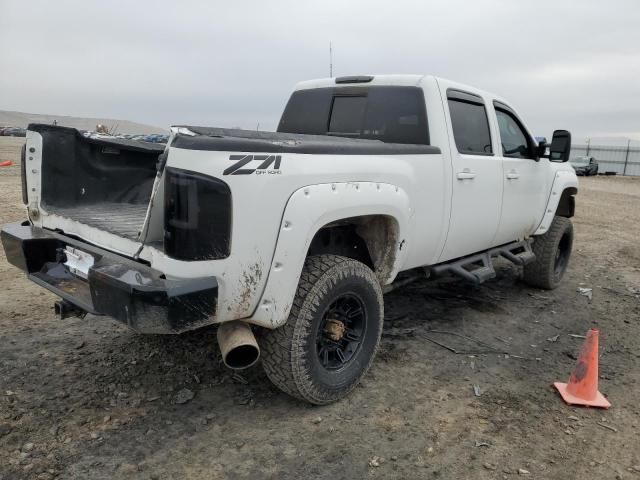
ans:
(307, 211)
(563, 180)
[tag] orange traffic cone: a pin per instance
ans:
(582, 388)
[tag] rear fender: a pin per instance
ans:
(307, 211)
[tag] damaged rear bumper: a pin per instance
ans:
(130, 292)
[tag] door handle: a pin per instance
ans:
(466, 174)
(513, 175)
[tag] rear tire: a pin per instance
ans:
(332, 334)
(553, 251)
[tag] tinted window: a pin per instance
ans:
(514, 140)
(470, 127)
(396, 115)
(347, 115)
(390, 114)
(307, 112)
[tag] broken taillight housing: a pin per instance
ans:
(197, 216)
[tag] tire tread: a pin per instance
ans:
(283, 358)
(540, 273)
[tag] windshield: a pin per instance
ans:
(579, 161)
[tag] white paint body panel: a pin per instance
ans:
(477, 189)
(262, 202)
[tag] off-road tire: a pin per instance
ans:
(545, 272)
(289, 353)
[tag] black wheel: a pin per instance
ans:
(332, 334)
(553, 251)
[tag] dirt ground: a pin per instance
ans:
(89, 399)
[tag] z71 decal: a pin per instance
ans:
(265, 167)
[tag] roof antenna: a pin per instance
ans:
(330, 60)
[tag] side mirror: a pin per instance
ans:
(541, 149)
(560, 146)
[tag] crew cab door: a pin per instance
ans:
(524, 177)
(477, 173)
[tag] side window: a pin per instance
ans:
(514, 140)
(470, 127)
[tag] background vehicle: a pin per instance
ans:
(584, 165)
(294, 234)
(13, 132)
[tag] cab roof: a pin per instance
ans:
(410, 80)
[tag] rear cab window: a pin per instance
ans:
(391, 114)
(470, 123)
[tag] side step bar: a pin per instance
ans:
(478, 267)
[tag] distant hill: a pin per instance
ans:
(21, 119)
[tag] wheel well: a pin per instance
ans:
(370, 239)
(567, 205)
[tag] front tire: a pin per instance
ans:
(552, 250)
(332, 334)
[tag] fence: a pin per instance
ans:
(623, 160)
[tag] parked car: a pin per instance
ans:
(13, 132)
(584, 165)
(292, 235)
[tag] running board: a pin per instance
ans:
(478, 268)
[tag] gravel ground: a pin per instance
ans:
(89, 399)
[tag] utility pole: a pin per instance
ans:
(588, 145)
(626, 158)
(330, 60)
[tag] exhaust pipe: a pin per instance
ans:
(64, 309)
(238, 345)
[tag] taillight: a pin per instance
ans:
(23, 174)
(197, 216)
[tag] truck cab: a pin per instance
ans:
(494, 180)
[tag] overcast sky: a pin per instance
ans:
(563, 64)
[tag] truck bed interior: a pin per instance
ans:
(125, 220)
(103, 183)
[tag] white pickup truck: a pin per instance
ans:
(292, 236)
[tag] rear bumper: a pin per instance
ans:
(130, 292)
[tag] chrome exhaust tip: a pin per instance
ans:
(238, 345)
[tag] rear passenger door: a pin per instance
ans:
(524, 178)
(477, 174)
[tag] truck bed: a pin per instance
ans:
(105, 183)
(124, 220)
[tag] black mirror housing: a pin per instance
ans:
(560, 146)
(541, 149)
